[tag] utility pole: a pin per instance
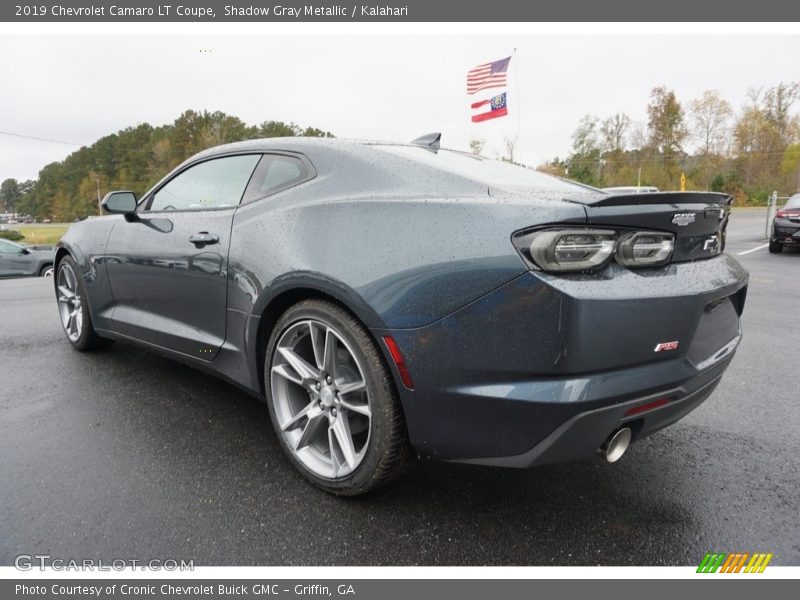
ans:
(99, 200)
(798, 178)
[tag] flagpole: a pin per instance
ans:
(516, 93)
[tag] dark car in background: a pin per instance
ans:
(18, 260)
(786, 226)
(394, 300)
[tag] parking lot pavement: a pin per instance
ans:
(122, 454)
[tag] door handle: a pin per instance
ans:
(204, 238)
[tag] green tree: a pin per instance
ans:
(10, 195)
(710, 115)
(269, 129)
(585, 161)
(614, 130)
(314, 132)
(476, 145)
(790, 165)
(666, 121)
(135, 158)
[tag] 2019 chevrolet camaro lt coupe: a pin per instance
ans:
(395, 300)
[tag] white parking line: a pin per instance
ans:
(761, 247)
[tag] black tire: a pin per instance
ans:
(45, 268)
(775, 247)
(87, 338)
(388, 452)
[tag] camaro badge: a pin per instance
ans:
(683, 219)
(664, 346)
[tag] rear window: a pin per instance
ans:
(490, 171)
(276, 172)
(793, 202)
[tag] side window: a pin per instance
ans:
(6, 248)
(215, 183)
(277, 172)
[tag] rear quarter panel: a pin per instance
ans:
(407, 242)
(410, 260)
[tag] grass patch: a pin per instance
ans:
(41, 233)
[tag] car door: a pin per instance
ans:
(167, 265)
(14, 262)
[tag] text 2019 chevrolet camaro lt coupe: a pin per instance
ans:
(394, 300)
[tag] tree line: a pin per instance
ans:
(746, 152)
(134, 159)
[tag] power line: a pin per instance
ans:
(39, 139)
(758, 156)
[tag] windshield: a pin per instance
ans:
(490, 171)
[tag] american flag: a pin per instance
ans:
(488, 75)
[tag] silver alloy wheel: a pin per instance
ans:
(69, 302)
(48, 272)
(320, 398)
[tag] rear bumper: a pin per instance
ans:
(543, 369)
(786, 232)
(582, 435)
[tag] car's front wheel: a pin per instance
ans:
(774, 247)
(46, 271)
(332, 400)
(73, 308)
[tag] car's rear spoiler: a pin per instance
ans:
(659, 198)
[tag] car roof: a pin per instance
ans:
(297, 144)
(402, 169)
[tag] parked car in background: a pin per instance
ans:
(18, 260)
(630, 189)
(394, 300)
(786, 226)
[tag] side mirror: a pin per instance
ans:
(24, 251)
(121, 203)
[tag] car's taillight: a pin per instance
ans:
(644, 248)
(574, 250)
(571, 249)
(785, 214)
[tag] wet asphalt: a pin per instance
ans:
(122, 454)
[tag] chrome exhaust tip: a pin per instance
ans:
(617, 444)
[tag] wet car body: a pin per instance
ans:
(507, 364)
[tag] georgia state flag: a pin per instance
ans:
(497, 108)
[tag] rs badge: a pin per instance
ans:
(664, 346)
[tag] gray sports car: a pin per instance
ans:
(19, 260)
(394, 300)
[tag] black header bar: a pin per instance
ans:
(402, 11)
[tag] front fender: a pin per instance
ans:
(86, 243)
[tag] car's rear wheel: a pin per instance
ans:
(332, 400)
(73, 308)
(775, 247)
(46, 271)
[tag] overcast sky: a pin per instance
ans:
(80, 88)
